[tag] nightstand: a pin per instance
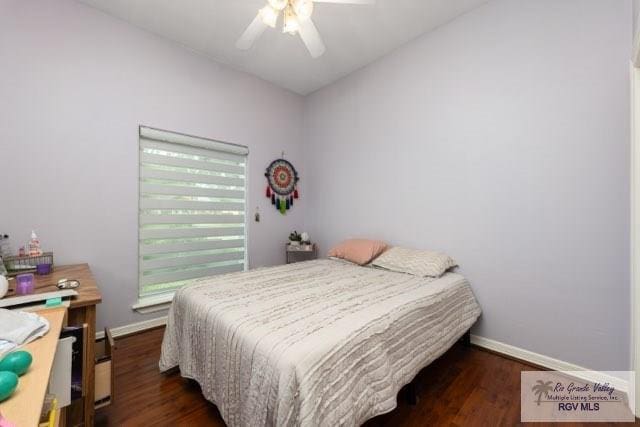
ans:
(300, 253)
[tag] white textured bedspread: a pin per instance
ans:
(318, 343)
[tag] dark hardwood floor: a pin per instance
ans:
(466, 387)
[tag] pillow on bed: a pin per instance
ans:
(359, 251)
(416, 262)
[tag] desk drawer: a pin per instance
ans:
(105, 370)
(60, 378)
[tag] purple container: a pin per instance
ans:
(24, 284)
(43, 269)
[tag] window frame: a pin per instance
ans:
(161, 301)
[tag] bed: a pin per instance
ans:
(321, 342)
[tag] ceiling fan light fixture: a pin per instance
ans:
(303, 9)
(269, 16)
(291, 23)
(278, 4)
(297, 20)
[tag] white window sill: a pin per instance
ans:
(153, 304)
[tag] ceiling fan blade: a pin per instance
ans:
(251, 34)
(346, 1)
(311, 38)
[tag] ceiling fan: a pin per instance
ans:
(297, 19)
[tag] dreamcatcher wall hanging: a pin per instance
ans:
(282, 184)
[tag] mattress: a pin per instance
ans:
(317, 343)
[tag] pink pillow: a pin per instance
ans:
(359, 251)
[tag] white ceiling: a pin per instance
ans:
(355, 35)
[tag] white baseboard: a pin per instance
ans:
(134, 327)
(547, 362)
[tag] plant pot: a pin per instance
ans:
(294, 243)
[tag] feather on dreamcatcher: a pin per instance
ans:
(282, 184)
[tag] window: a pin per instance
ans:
(192, 210)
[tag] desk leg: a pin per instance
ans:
(82, 412)
(89, 398)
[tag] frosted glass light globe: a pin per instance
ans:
(291, 23)
(278, 4)
(269, 16)
(303, 9)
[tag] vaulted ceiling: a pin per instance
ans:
(354, 35)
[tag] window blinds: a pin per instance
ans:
(192, 209)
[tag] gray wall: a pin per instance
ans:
(75, 84)
(503, 139)
(635, 11)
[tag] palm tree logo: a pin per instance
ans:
(541, 388)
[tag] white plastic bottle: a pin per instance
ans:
(4, 286)
(34, 245)
(5, 246)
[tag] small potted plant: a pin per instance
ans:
(295, 238)
(306, 241)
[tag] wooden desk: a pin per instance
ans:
(24, 406)
(88, 292)
(82, 310)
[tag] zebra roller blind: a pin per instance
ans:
(192, 209)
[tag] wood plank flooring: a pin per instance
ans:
(466, 387)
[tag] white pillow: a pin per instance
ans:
(416, 262)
